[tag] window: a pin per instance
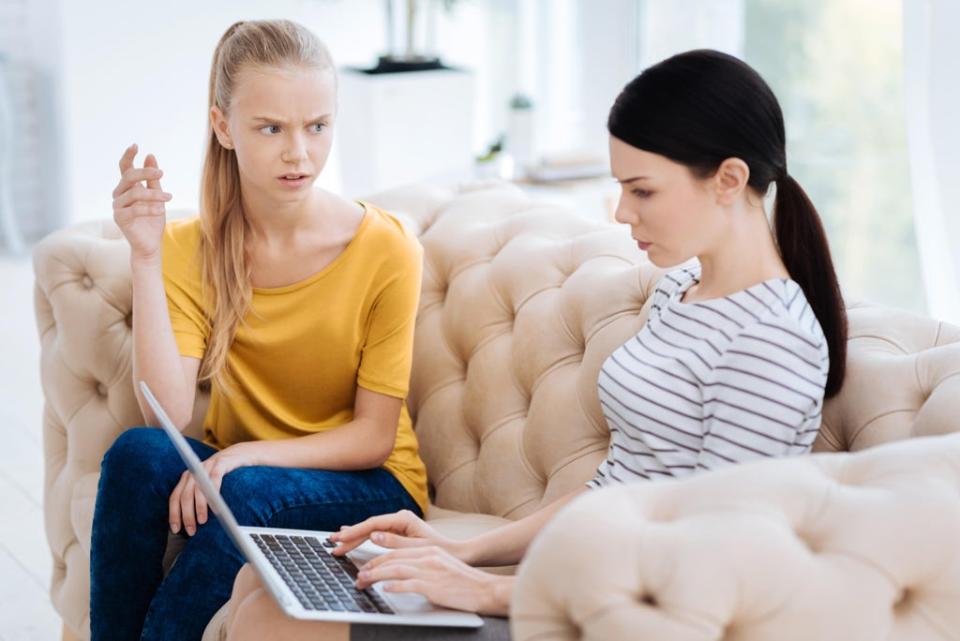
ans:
(837, 68)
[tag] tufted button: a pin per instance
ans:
(648, 599)
(807, 539)
(128, 320)
(905, 596)
(86, 281)
(101, 390)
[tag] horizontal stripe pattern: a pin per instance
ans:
(713, 383)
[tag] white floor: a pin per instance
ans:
(25, 610)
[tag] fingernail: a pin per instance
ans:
(174, 527)
(376, 536)
(363, 575)
(190, 530)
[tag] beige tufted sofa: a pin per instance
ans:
(522, 301)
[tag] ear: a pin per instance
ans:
(730, 180)
(221, 129)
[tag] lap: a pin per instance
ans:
(311, 499)
(253, 614)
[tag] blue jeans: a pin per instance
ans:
(129, 596)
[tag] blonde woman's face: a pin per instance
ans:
(280, 124)
(672, 214)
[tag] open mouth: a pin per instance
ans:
(294, 181)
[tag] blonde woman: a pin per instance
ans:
(296, 306)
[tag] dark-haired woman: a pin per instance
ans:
(733, 363)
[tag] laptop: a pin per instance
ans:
(299, 571)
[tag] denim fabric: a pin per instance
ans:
(129, 596)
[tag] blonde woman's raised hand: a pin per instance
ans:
(140, 209)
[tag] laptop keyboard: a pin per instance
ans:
(319, 580)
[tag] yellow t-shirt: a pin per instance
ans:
(304, 348)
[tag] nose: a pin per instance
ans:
(295, 149)
(624, 214)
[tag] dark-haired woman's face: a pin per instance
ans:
(671, 213)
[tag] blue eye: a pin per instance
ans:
(269, 129)
(319, 126)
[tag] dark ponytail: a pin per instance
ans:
(806, 255)
(702, 107)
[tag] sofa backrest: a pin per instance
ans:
(522, 301)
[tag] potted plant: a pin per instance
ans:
(410, 32)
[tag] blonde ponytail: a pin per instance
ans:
(225, 268)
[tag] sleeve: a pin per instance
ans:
(765, 395)
(602, 477)
(387, 351)
(181, 283)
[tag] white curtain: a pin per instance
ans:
(31, 167)
(931, 49)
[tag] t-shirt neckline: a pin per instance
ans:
(329, 267)
(677, 297)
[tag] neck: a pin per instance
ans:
(273, 221)
(746, 254)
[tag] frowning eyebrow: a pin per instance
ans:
(630, 180)
(281, 121)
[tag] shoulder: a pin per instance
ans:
(181, 244)
(182, 232)
(387, 236)
(677, 280)
(784, 341)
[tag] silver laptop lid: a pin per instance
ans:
(193, 463)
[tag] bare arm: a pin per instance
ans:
(171, 377)
(505, 545)
(365, 442)
(140, 212)
(508, 544)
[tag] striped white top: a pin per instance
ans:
(714, 382)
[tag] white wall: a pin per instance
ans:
(140, 75)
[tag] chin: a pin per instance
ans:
(665, 261)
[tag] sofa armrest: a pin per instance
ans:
(831, 546)
(83, 299)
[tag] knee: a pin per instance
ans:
(254, 618)
(258, 618)
(246, 582)
(249, 493)
(135, 448)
